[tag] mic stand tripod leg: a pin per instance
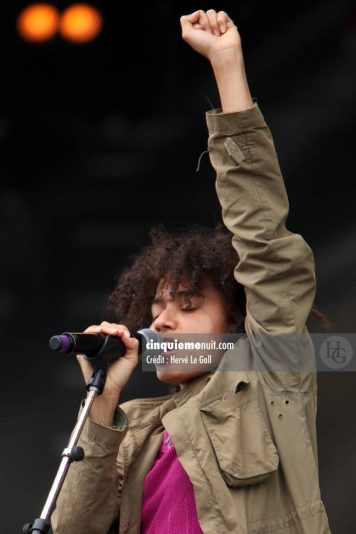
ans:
(70, 454)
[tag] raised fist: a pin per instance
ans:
(210, 32)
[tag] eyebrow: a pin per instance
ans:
(187, 292)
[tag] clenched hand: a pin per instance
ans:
(210, 32)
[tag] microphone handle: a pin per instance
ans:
(92, 346)
(99, 349)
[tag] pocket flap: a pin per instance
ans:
(242, 443)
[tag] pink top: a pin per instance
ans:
(168, 504)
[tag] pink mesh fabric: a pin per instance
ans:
(168, 504)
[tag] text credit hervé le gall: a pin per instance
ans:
(185, 351)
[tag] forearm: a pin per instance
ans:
(230, 75)
(103, 409)
(215, 36)
(88, 502)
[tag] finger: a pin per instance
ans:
(204, 21)
(187, 21)
(224, 21)
(131, 343)
(94, 329)
(112, 329)
(212, 16)
(122, 332)
(106, 328)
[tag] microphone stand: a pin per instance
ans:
(71, 453)
(109, 352)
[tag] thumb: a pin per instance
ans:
(131, 345)
(187, 21)
(86, 367)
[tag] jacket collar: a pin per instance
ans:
(211, 386)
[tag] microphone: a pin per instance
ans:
(100, 348)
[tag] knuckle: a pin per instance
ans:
(92, 328)
(222, 16)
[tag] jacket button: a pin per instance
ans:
(272, 403)
(280, 416)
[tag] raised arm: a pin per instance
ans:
(276, 266)
(219, 41)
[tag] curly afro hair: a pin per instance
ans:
(192, 255)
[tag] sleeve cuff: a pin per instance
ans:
(120, 420)
(236, 122)
(107, 437)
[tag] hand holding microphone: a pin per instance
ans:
(118, 373)
(99, 349)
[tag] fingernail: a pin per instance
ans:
(222, 28)
(127, 334)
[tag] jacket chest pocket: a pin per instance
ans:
(241, 441)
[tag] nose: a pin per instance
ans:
(165, 321)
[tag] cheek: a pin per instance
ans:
(219, 319)
(210, 321)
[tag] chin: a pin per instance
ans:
(175, 377)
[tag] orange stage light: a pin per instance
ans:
(80, 23)
(38, 22)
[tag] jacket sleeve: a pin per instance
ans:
(276, 266)
(89, 500)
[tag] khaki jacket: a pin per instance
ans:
(246, 434)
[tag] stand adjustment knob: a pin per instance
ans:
(75, 454)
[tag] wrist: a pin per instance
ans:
(103, 409)
(227, 57)
(230, 76)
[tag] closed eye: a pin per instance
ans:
(191, 301)
(188, 309)
(188, 302)
(155, 314)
